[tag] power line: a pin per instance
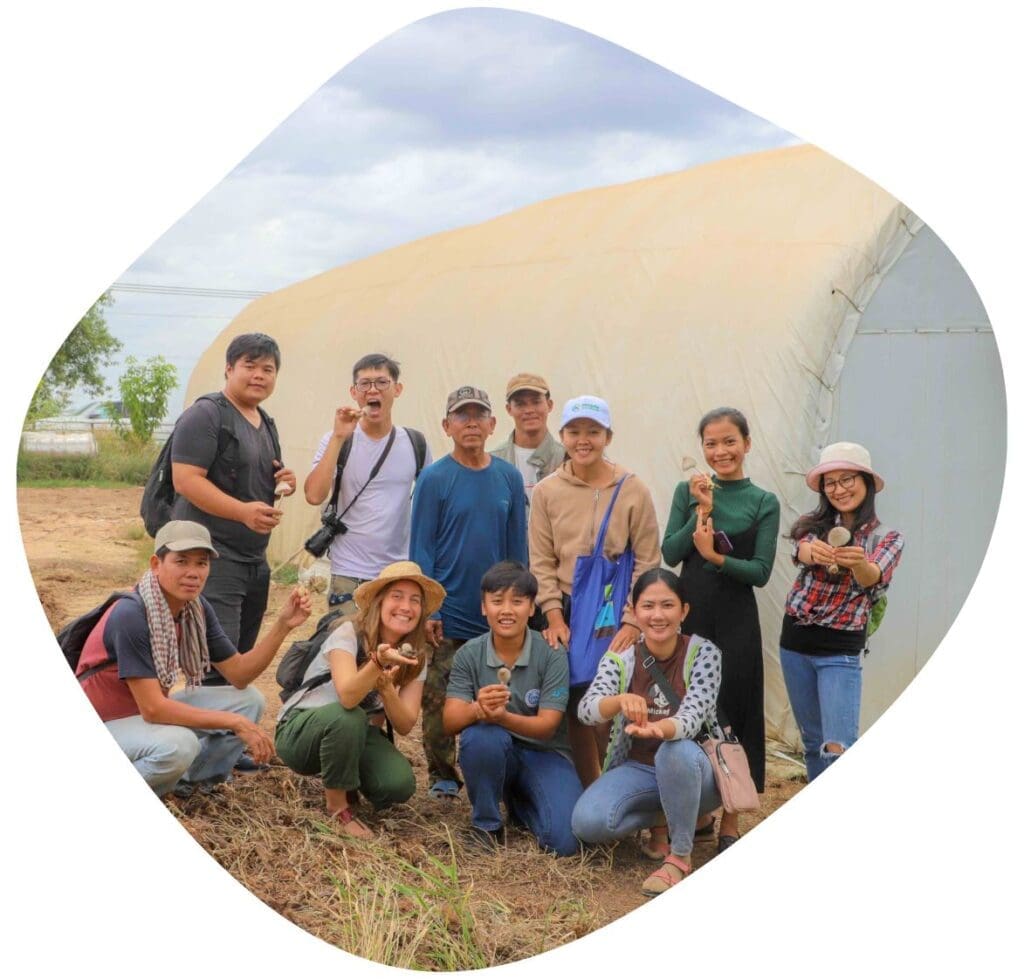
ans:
(170, 316)
(162, 290)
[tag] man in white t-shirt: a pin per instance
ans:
(374, 511)
(531, 448)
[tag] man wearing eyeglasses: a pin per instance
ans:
(374, 511)
(531, 448)
(468, 513)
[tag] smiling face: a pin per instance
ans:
(374, 390)
(585, 441)
(401, 608)
(250, 380)
(659, 614)
(181, 575)
(529, 411)
(507, 613)
(725, 448)
(845, 489)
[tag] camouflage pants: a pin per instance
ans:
(439, 747)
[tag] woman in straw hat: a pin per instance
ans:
(829, 606)
(376, 662)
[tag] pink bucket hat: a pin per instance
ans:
(843, 455)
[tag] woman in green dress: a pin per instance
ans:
(725, 534)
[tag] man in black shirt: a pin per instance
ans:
(228, 485)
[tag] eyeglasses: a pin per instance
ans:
(380, 383)
(847, 481)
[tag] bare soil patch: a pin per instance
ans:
(416, 897)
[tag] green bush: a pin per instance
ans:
(117, 463)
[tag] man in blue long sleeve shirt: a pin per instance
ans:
(468, 513)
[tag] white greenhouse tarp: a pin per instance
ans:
(736, 283)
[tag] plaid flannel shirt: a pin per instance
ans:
(837, 601)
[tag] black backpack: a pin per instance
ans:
(72, 637)
(158, 496)
(301, 653)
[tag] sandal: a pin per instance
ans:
(705, 834)
(664, 878)
(444, 788)
(351, 825)
(656, 847)
(726, 841)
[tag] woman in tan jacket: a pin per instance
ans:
(565, 516)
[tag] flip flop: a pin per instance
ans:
(444, 788)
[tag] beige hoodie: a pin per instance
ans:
(565, 516)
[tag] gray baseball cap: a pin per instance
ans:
(183, 535)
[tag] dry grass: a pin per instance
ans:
(416, 897)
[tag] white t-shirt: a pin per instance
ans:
(378, 524)
(343, 638)
(529, 472)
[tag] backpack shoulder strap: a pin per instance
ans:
(419, 447)
(272, 428)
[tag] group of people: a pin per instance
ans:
(464, 594)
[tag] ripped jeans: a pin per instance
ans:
(824, 692)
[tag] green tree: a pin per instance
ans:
(88, 348)
(145, 388)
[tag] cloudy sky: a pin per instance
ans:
(453, 120)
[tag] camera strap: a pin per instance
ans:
(373, 475)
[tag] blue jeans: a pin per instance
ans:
(824, 692)
(163, 754)
(630, 797)
(539, 787)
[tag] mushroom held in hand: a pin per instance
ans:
(504, 675)
(838, 537)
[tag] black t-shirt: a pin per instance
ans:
(245, 471)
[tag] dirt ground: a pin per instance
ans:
(83, 543)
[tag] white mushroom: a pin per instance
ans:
(838, 536)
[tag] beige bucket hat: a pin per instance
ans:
(433, 591)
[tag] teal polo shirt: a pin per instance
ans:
(540, 679)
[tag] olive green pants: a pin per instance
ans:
(439, 747)
(339, 745)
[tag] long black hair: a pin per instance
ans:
(823, 518)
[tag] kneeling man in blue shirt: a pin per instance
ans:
(506, 700)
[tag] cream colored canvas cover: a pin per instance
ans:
(735, 283)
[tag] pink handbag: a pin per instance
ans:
(732, 772)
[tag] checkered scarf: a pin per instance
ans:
(191, 653)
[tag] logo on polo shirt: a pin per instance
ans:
(532, 698)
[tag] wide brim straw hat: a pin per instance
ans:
(433, 591)
(843, 455)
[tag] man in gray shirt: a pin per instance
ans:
(507, 696)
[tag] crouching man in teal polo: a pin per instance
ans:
(135, 653)
(506, 700)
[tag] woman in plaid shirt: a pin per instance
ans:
(827, 611)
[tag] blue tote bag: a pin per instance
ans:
(600, 589)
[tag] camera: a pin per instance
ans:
(332, 525)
